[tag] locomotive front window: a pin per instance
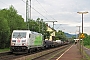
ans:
(19, 35)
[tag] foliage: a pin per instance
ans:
(87, 46)
(60, 35)
(86, 40)
(5, 50)
(4, 32)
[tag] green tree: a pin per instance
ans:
(60, 35)
(4, 32)
(15, 21)
(86, 40)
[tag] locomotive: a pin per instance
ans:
(26, 40)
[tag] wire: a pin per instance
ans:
(37, 11)
(24, 1)
(3, 2)
(45, 10)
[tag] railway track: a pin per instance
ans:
(10, 56)
(4, 53)
(53, 54)
(33, 56)
(7, 56)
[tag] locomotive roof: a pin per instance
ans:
(21, 30)
(26, 31)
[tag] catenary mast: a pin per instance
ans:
(27, 13)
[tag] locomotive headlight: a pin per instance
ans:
(13, 44)
(23, 44)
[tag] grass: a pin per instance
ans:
(5, 50)
(88, 46)
(86, 56)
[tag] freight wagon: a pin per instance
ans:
(26, 41)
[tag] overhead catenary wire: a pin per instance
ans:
(45, 10)
(40, 13)
(37, 11)
(3, 2)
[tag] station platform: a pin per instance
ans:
(72, 53)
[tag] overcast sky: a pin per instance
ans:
(63, 11)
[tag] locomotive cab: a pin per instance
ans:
(19, 41)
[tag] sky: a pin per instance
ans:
(62, 11)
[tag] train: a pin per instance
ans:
(25, 41)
